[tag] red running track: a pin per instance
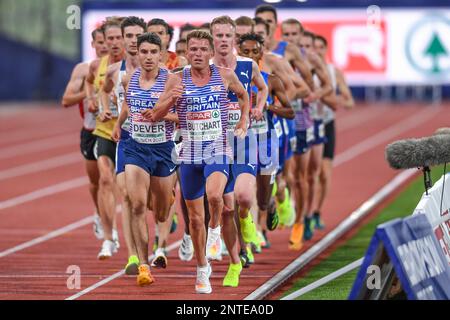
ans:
(43, 189)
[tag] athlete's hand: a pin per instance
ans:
(177, 92)
(256, 114)
(311, 98)
(92, 105)
(241, 127)
(147, 114)
(116, 132)
(105, 115)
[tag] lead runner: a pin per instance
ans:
(200, 94)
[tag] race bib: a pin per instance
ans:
(310, 134)
(293, 142)
(278, 129)
(234, 115)
(148, 132)
(204, 125)
(297, 105)
(260, 126)
(321, 130)
(285, 126)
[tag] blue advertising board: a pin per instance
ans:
(414, 252)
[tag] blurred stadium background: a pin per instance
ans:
(404, 57)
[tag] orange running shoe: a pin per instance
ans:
(296, 238)
(145, 277)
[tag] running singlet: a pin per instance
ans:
(172, 61)
(243, 71)
(119, 91)
(203, 114)
(281, 48)
(104, 129)
(139, 99)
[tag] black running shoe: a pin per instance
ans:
(272, 217)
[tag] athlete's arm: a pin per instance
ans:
(277, 88)
(322, 73)
(346, 94)
(263, 92)
(299, 63)
(236, 86)
(74, 92)
(105, 91)
(120, 121)
(89, 86)
(172, 91)
(171, 116)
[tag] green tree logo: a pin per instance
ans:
(435, 49)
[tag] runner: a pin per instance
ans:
(149, 169)
(180, 48)
(323, 88)
(116, 78)
(169, 58)
(244, 167)
(269, 128)
(171, 61)
(105, 148)
(342, 100)
(75, 94)
(280, 67)
(200, 95)
(244, 25)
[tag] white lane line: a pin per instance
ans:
(385, 135)
(39, 166)
(330, 237)
(44, 192)
(328, 278)
(116, 275)
(39, 145)
(48, 236)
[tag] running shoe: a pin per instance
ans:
(144, 277)
(272, 217)
(286, 210)
(186, 249)
(262, 240)
(202, 284)
(318, 223)
(248, 228)
(98, 227)
(160, 259)
(244, 259)
(214, 244)
(108, 249)
(132, 267)
(296, 238)
(232, 277)
(309, 228)
(251, 258)
(115, 237)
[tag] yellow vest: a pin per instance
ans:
(104, 129)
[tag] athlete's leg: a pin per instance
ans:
(229, 228)
(126, 215)
(93, 175)
(314, 166)
(196, 211)
(325, 182)
(138, 184)
(106, 199)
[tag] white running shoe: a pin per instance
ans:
(186, 249)
(160, 260)
(108, 249)
(202, 284)
(115, 236)
(98, 227)
(214, 244)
